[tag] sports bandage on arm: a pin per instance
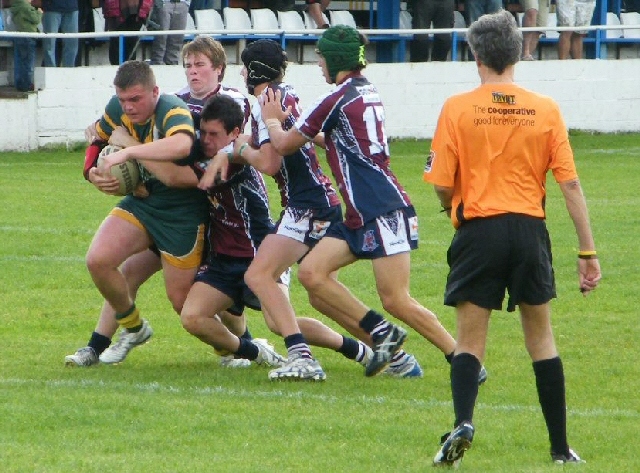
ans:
(91, 156)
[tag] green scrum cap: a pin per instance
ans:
(343, 49)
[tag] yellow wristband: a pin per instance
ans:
(587, 254)
(272, 123)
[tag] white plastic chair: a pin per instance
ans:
(191, 25)
(613, 20)
(98, 20)
(405, 20)
(552, 21)
(310, 24)
(342, 17)
(208, 20)
(236, 19)
(292, 21)
(630, 18)
(263, 19)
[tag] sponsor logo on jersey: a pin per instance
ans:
(499, 97)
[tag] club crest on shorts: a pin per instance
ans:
(369, 241)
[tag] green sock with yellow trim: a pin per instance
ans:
(130, 319)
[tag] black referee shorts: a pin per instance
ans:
(489, 256)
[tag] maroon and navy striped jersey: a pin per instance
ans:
(352, 118)
(301, 182)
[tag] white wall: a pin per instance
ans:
(599, 95)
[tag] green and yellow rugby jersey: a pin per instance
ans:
(171, 116)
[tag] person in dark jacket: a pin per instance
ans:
(26, 18)
(124, 15)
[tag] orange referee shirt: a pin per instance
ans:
(494, 146)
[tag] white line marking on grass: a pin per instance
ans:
(633, 149)
(48, 231)
(39, 164)
(73, 259)
(292, 394)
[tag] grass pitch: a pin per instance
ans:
(170, 407)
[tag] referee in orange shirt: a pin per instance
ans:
(488, 163)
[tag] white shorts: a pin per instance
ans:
(575, 13)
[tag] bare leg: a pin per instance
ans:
(199, 318)
(576, 46)
(564, 45)
(115, 241)
(136, 270)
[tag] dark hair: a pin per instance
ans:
(224, 108)
(132, 73)
(495, 40)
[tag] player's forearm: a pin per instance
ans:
(170, 148)
(265, 159)
(445, 195)
(577, 207)
(171, 174)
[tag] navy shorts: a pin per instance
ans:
(489, 256)
(390, 234)
(226, 274)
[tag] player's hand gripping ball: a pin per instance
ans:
(126, 173)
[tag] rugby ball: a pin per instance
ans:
(127, 173)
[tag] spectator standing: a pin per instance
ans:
(489, 172)
(474, 9)
(60, 16)
(573, 13)
(124, 15)
(26, 18)
(423, 13)
(166, 48)
(536, 13)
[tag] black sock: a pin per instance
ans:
(247, 350)
(449, 357)
(350, 348)
(464, 386)
(297, 344)
(370, 320)
(246, 335)
(551, 395)
(99, 343)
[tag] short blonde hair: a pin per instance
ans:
(209, 47)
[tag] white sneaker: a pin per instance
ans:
(406, 367)
(230, 361)
(368, 354)
(118, 352)
(83, 357)
(267, 354)
(298, 368)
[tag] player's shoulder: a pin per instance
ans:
(171, 101)
(231, 92)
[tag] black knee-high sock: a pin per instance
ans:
(246, 335)
(464, 386)
(551, 395)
